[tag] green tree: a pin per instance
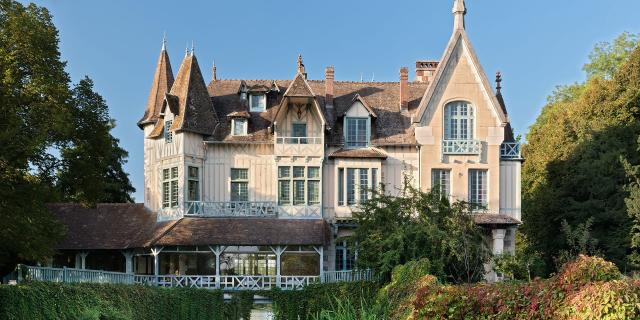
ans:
(393, 230)
(573, 152)
(91, 165)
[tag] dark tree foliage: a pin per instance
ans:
(416, 225)
(91, 170)
(573, 170)
(41, 120)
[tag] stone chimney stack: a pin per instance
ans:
(404, 89)
(425, 70)
(328, 86)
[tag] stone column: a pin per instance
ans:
(81, 258)
(498, 240)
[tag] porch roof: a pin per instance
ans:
(495, 219)
(244, 231)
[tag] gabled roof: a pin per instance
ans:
(195, 111)
(459, 42)
(299, 87)
(162, 82)
(359, 98)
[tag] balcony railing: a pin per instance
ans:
(461, 147)
(70, 275)
(299, 140)
(231, 209)
(510, 150)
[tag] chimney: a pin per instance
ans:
(425, 70)
(404, 89)
(328, 86)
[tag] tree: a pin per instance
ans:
(573, 152)
(393, 230)
(91, 169)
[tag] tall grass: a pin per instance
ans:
(350, 310)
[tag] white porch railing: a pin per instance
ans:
(510, 150)
(231, 209)
(299, 140)
(348, 276)
(224, 282)
(73, 275)
(461, 147)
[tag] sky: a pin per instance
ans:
(537, 45)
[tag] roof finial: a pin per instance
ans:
(193, 48)
(164, 41)
(301, 69)
(498, 81)
(186, 50)
(459, 10)
(213, 71)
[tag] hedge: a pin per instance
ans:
(42, 300)
(587, 288)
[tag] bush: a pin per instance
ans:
(405, 281)
(42, 300)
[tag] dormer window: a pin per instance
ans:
(357, 132)
(239, 126)
(257, 103)
(168, 135)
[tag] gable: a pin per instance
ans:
(357, 110)
(459, 77)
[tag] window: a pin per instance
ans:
(358, 182)
(170, 187)
(239, 126)
(298, 185)
(258, 102)
(477, 189)
(345, 258)
(341, 186)
(441, 179)
(299, 130)
(168, 135)
(356, 132)
(239, 184)
(193, 182)
(458, 121)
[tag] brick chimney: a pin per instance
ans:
(425, 70)
(404, 89)
(328, 86)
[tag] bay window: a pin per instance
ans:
(355, 185)
(298, 185)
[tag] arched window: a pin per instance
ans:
(458, 121)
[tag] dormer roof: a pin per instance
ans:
(359, 98)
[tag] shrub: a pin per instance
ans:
(617, 299)
(585, 270)
(405, 281)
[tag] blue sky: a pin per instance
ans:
(535, 44)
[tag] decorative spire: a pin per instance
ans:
(193, 48)
(459, 10)
(301, 69)
(164, 42)
(213, 71)
(186, 50)
(498, 81)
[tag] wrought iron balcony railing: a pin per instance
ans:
(461, 147)
(510, 150)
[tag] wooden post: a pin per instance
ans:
(128, 261)
(217, 250)
(279, 250)
(81, 258)
(156, 264)
(320, 251)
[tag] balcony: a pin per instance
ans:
(240, 209)
(461, 147)
(510, 151)
(299, 145)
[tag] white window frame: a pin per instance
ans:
(306, 179)
(195, 179)
(244, 181)
(169, 186)
(437, 179)
(479, 192)
(262, 104)
(463, 116)
(357, 144)
(168, 135)
(234, 122)
(360, 193)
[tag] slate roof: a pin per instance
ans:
(129, 225)
(371, 153)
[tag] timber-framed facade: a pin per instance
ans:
(259, 178)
